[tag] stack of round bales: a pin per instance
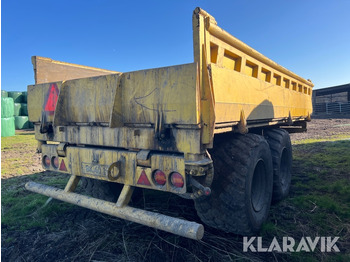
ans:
(7, 112)
(19, 111)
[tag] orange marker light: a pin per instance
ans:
(159, 177)
(177, 180)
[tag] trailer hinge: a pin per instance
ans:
(61, 149)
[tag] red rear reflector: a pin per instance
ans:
(63, 166)
(54, 162)
(143, 180)
(46, 161)
(159, 177)
(51, 100)
(177, 180)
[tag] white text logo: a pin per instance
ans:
(288, 244)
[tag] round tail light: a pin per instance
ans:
(177, 180)
(159, 177)
(46, 161)
(54, 162)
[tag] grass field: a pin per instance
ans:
(17, 163)
(319, 205)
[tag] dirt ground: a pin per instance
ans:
(83, 235)
(323, 128)
(21, 157)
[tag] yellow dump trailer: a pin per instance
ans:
(213, 131)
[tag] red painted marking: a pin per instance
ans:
(63, 166)
(143, 180)
(51, 101)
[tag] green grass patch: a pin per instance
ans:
(324, 203)
(319, 199)
(20, 140)
(268, 228)
(23, 210)
(340, 187)
(332, 138)
(334, 154)
(19, 154)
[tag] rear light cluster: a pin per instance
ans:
(46, 161)
(53, 162)
(159, 177)
(175, 178)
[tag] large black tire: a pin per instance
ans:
(103, 190)
(242, 185)
(281, 151)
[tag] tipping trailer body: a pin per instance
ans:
(123, 127)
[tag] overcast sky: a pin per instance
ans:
(309, 37)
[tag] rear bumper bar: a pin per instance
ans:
(169, 224)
